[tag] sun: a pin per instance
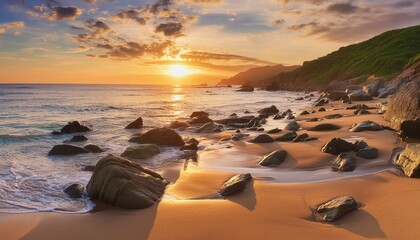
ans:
(178, 71)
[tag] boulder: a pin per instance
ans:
(191, 146)
(367, 153)
(343, 163)
(273, 131)
(75, 127)
(292, 126)
(78, 138)
(269, 111)
(410, 128)
(93, 148)
(239, 136)
(336, 146)
(334, 209)
(303, 138)
(159, 136)
(199, 114)
(366, 126)
(142, 151)
(210, 127)
(322, 110)
(304, 113)
(299, 99)
(333, 116)
(235, 184)
(75, 190)
(88, 168)
(358, 106)
(361, 112)
(273, 159)
(200, 120)
(315, 119)
(324, 127)
(372, 88)
(409, 160)
(178, 124)
(235, 120)
(138, 123)
(66, 150)
(321, 102)
(193, 140)
(335, 95)
(354, 88)
(278, 117)
(286, 137)
(359, 145)
(263, 138)
(360, 96)
(255, 122)
(125, 184)
(245, 88)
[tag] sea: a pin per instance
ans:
(32, 181)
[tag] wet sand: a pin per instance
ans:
(277, 205)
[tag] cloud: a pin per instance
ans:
(311, 28)
(278, 21)
(208, 56)
(12, 26)
(316, 2)
(133, 15)
(403, 4)
(2, 30)
(55, 13)
(171, 29)
(342, 8)
(203, 2)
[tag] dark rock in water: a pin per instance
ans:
(269, 111)
(324, 127)
(193, 140)
(278, 117)
(299, 99)
(315, 119)
(93, 148)
(233, 120)
(245, 88)
(322, 110)
(343, 163)
(88, 168)
(273, 159)
(75, 190)
(235, 184)
(359, 145)
(273, 131)
(336, 146)
(255, 122)
(78, 138)
(333, 116)
(142, 151)
(246, 112)
(263, 138)
(159, 136)
(191, 146)
(410, 128)
(260, 129)
(366, 126)
(200, 120)
(290, 116)
(368, 153)
(75, 127)
(409, 160)
(125, 184)
(373, 87)
(56, 133)
(287, 137)
(178, 124)
(358, 106)
(239, 136)
(304, 113)
(292, 126)
(361, 112)
(263, 116)
(301, 137)
(334, 209)
(210, 127)
(321, 102)
(66, 150)
(360, 96)
(138, 123)
(199, 114)
(335, 96)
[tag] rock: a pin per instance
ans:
(273, 131)
(263, 138)
(290, 116)
(75, 190)
(324, 127)
(361, 112)
(269, 111)
(354, 88)
(409, 160)
(278, 117)
(373, 87)
(235, 120)
(360, 96)
(273, 86)
(235, 184)
(304, 113)
(245, 88)
(410, 128)
(193, 140)
(178, 124)
(320, 102)
(358, 106)
(336, 146)
(239, 136)
(200, 120)
(286, 137)
(125, 184)
(93, 148)
(88, 168)
(368, 153)
(335, 96)
(142, 151)
(199, 114)
(366, 126)
(75, 127)
(78, 138)
(359, 145)
(343, 163)
(315, 119)
(333, 116)
(346, 100)
(299, 99)
(300, 138)
(273, 159)
(159, 136)
(210, 127)
(66, 150)
(192, 146)
(260, 130)
(322, 110)
(138, 123)
(255, 122)
(292, 126)
(334, 209)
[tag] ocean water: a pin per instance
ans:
(31, 181)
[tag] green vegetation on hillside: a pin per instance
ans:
(384, 55)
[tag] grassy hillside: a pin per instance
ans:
(255, 76)
(384, 55)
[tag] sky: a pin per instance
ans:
(140, 41)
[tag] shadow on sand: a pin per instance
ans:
(361, 223)
(247, 198)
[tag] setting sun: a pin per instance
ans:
(178, 71)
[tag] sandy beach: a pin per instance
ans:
(269, 208)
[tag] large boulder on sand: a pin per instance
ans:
(273, 159)
(210, 127)
(324, 127)
(75, 127)
(334, 209)
(372, 88)
(143, 151)
(269, 111)
(66, 150)
(159, 136)
(292, 126)
(138, 123)
(126, 184)
(263, 138)
(336, 146)
(360, 96)
(409, 160)
(235, 184)
(366, 126)
(343, 163)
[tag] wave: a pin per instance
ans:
(8, 138)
